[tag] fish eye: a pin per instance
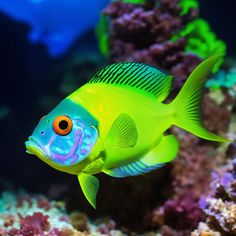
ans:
(62, 125)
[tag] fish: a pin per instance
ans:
(55, 23)
(116, 123)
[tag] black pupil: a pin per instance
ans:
(63, 124)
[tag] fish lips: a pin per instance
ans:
(34, 147)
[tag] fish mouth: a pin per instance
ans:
(34, 147)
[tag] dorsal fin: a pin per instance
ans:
(136, 75)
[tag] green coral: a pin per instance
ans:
(102, 33)
(200, 38)
(202, 41)
(133, 1)
(186, 5)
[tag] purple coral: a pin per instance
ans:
(220, 205)
(144, 33)
(191, 178)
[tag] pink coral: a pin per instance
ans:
(43, 203)
(35, 224)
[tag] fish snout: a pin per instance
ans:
(34, 147)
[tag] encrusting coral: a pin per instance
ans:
(220, 205)
(30, 215)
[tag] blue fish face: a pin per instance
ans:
(66, 136)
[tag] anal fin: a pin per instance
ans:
(164, 152)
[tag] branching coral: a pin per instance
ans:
(164, 33)
(195, 33)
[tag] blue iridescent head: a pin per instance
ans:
(65, 136)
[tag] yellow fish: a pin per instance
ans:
(116, 123)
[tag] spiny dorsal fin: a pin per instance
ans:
(136, 75)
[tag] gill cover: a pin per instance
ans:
(75, 146)
(67, 135)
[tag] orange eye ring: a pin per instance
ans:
(62, 125)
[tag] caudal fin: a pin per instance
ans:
(186, 105)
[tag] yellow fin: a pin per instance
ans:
(94, 167)
(186, 105)
(89, 185)
(123, 132)
(164, 152)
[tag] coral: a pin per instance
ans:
(35, 224)
(223, 79)
(29, 215)
(217, 111)
(162, 33)
(181, 211)
(187, 5)
(134, 1)
(204, 230)
(195, 34)
(220, 205)
(192, 173)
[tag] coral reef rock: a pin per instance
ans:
(28, 215)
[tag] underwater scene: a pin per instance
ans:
(118, 118)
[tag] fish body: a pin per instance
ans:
(55, 23)
(104, 102)
(116, 124)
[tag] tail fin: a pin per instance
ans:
(186, 105)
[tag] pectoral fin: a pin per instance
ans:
(94, 167)
(164, 152)
(89, 185)
(123, 132)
